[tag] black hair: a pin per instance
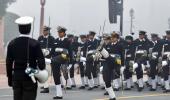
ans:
(24, 29)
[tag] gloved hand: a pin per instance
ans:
(84, 63)
(148, 64)
(9, 82)
(164, 63)
(82, 59)
(122, 69)
(97, 56)
(154, 57)
(101, 68)
(69, 66)
(135, 65)
(144, 68)
(131, 63)
(47, 61)
(168, 56)
(45, 52)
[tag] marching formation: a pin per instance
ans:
(115, 58)
(111, 56)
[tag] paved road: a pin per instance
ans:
(97, 94)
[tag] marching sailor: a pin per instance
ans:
(129, 60)
(70, 80)
(141, 52)
(82, 63)
(74, 47)
(164, 53)
(61, 53)
(46, 42)
(153, 60)
(116, 49)
(112, 55)
(91, 66)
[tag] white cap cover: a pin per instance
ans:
(24, 20)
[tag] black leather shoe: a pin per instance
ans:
(106, 93)
(163, 87)
(158, 84)
(57, 97)
(116, 89)
(86, 85)
(73, 86)
(152, 89)
(140, 89)
(91, 88)
(68, 88)
(166, 91)
(127, 89)
(45, 90)
(147, 84)
(62, 86)
(113, 99)
(102, 88)
(82, 87)
(42, 87)
(95, 87)
(135, 83)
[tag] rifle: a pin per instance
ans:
(33, 27)
(160, 60)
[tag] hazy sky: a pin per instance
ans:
(80, 16)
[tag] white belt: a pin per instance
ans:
(91, 51)
(114, 55)
(44, 50)
(129, 55)
(82, 59)
(140, 51)
(60, 50)
(166, 53)
(154, 53)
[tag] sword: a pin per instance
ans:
(122, 73)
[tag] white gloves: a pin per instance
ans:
(164, 63)
(84, 63)
(154, 57)
(69, 66)
(122, 69)
(58, 49)
(148, 64)
(135, 65)
(101, 68)
(97, 56)
(47, 61)
(82, 59)
(45, 52)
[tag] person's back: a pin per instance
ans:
(23, 52)
(18, 53)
